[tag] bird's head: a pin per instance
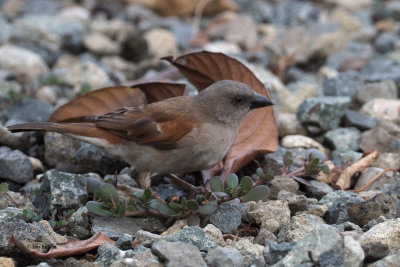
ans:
(229, 101)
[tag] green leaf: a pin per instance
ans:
(235, 193)
(165, 210)
(183, 202)
(288, 159)
(93, 184)
(246, 184)
(175, 207)
(268, 177)
(232, 181)
(28, 214)
(147, 195)
(257, 193)
(4, 187)
(208, 208)
(99, 209)
(193, 220)
(260, 172)
(315, 162)
(192, 204)
(216, 184)
(138, 195)
(154, 204)
(325, 169)
(121, 209)
(108, 194)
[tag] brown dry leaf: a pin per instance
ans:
(344, 180)
(112, 98)
(71, 248)
(258, 133)
(186, 7)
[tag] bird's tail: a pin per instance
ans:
(82, 131)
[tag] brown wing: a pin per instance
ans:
(149, 124)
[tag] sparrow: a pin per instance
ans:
(173, 136)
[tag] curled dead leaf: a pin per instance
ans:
(344, 180)
(258, 133)
(68, 249)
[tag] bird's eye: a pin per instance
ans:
(239, 99)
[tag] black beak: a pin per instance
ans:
(260, 101)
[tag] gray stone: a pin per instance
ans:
(389, 261)
(124, 242)
(330, 198)
(10, 214)
(295, 13)
(386, 42)
(31, 235)
(360, 120)
(375, 251)
(30, 110)
(265, 237)
(5, 30)
(278, 251)
(354, 254)
(387, 160)
(296, 202)
(110, 255)
(348, 226)
(381, 69)
(225, 256)
(386, 233)
(345, 84)
(342, 158)
(321, 239)
(61, 191)
(280, 183)
(382, 89)
(379, 139)
(146, 238)
(15, 165)
(338, 211)
(320, 114)
(228, 216)
(318, 189)
(379, 184)
(80, 223)
(194, 235)
(25, 63)
(178, 254)
(343, 139)
(251, 252)
(382, 204)
(298, 227)
(115, 227)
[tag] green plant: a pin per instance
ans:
(4, 188)
(31, 216)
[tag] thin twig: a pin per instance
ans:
(373, 180)
(197, 16)
(142, 213)
(12, 199)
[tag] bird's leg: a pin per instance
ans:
(193, 190)
(144, 179)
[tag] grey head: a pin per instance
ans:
(229, 101)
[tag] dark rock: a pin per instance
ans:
(343, 139)
(79, 220)
(331, 198)
(296, 202)
(345, 84)
(115, 227)
(166, 191)
(278, 251)
(15, 165)
(124, 242)
(317, 189)
(333, 257)
(386, 42)
(178, 253)
(382, 204)
(388, 261)
(225, 256)
(228, 216)
(360, 120)
(320, 114)
(110, 255)
(61, 191)
(375, 251)
(194, 235)
(381, 69)
(348, 226)
(337, 211)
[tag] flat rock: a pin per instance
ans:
(384, 109)
(178, 254)
(225, 256)
(386, 233)
(194, 235)
(228, 216)
(360, 120)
